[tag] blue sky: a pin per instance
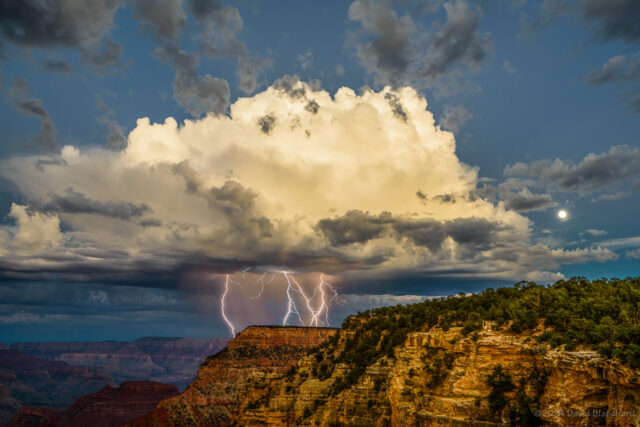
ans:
(542, 98)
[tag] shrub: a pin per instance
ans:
(500, 383)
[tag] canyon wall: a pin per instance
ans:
(441, 378)
(211, 398)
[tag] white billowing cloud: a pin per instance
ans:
(364, 183)
(36, 231)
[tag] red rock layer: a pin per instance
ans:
(212, 397)
(277, 336)
(109, 407)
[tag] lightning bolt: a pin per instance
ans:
(317, 306)
(294, 285)
(228, 281)
(291, 306)
(261, 282)
(333, 298)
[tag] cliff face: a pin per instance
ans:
(212, 397)
(168, 360)
(26, 380)
(441, 378)
(109, 407)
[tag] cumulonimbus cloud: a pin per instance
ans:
(333, 185)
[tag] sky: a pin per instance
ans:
(191, 167)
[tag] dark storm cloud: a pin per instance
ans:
(475, 233)
(312, 106)
(454, 117)
(287, 84)
(396, 106)
(594, 172)
(533, 202)
(235, 201)
(196, 94)
(518, 197)
(78, 24)
(607, 19)
(68, 23)
(46, 140)
(617, 69)
(203, 9)
(388, 53)
(74, 202)
(150, 223)
(56, 66)
(398, 52)
(614, 19)
(41, 163)
(232, 198)
(353, 227)
(44, 309)
(359, 227)
(428, 233)
(164, 18)
(220, 25)
(266, 123)
(445, 198)
(459, 40)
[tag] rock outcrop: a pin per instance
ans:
(109, 407)
(168, 360)
(441, 378)
(211, 398)
(29, 381)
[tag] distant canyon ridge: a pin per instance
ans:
(55, 374)
(167, 360)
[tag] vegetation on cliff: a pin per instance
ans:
(602, 314)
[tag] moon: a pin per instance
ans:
(562, 214)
